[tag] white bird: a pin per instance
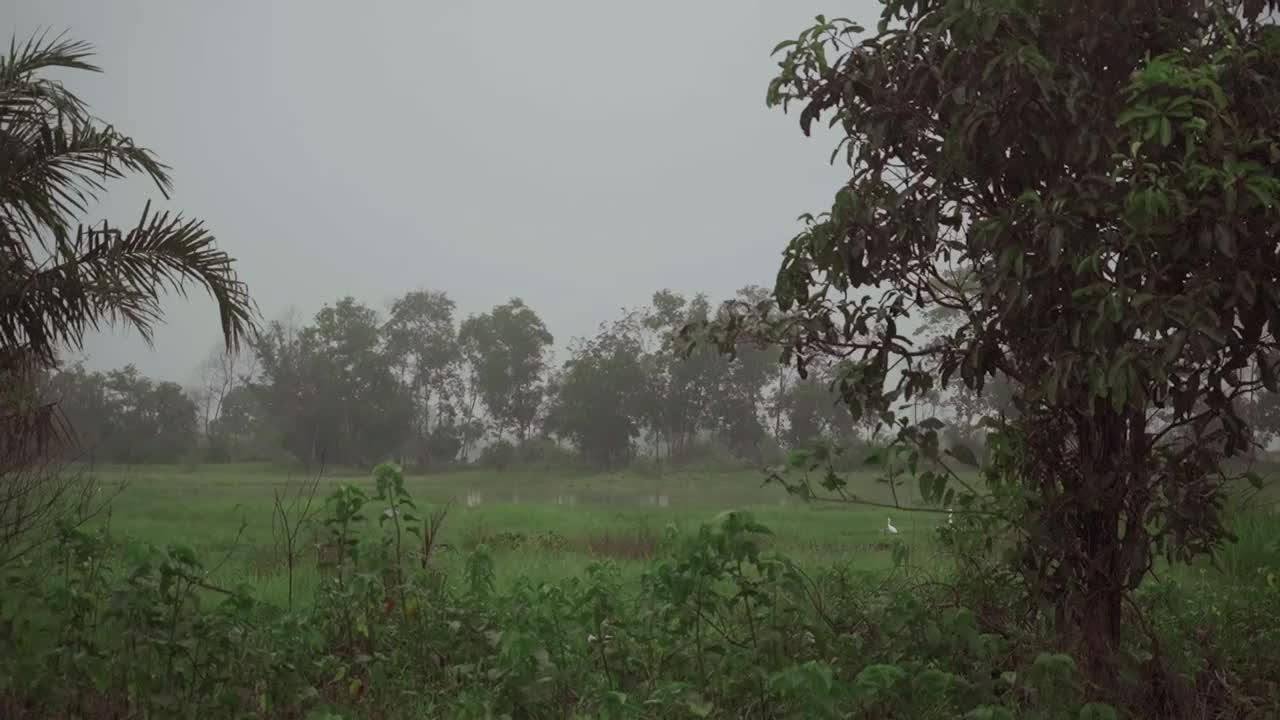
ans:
(889, 528)
(391, 513)
(950, 517)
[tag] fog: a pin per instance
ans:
(578, 154)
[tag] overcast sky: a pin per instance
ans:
(580, 154)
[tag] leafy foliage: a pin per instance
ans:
(1090, 189)
(330, 387)
(599, 399)
(508, 347)
(716, 626)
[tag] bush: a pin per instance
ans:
(498, 455)
(545, 454)
(715, 626)
(534, 454)
(708, 454)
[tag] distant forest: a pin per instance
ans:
(354, 387)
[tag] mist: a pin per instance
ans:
(579, 155)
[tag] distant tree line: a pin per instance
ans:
(354, 387)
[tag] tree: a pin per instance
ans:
(423, 344)
(508, 349)
(285, 390)
(599, 403)
(123, 416)
(59, 279)
(737, 403)
(243, 431)
(173, 417)
(813, 412)
(81, 397)
(682, 384)
(363, 413)
(221, 374)
(1105, 175)
(330, 388)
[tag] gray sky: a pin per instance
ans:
(580, 154)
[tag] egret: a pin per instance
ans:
(889, 528)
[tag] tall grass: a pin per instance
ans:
(1256, 550)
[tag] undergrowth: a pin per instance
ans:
(717, 626)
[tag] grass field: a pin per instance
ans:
(697, 629)
(543, 525)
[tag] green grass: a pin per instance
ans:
(1206, 618)
(225, 513)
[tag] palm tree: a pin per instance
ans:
(59, 278)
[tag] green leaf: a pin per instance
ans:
(1117, 386)
(1138, 113)
(1255, 480)
(1166, 131)
(926, 486)
(964, 455)
(798, 458)
(1226, 239)
(1260, 193)
(932, 635)
(1173, 348)
(1055, 245)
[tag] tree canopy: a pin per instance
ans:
(1091, 189)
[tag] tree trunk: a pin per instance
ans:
(1093, 604)
(1098, 605)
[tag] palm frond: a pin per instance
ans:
(105, 276)
(57, 278)
(45, 52)
(23, 93)
(52, 170)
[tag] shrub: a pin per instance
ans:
(717, 625)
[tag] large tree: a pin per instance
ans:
(330, 388)
(737, 404)
(813, 412)
(1104, 174)
(125, 417)
(684, 384)
(600, 398)
(423, 344)
(508, 349)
